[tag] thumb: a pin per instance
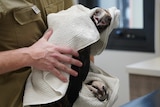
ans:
(48, 34)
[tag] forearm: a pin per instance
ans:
(13, 60)
(41, 55)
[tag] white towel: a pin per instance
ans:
(73, 28)
(86, 97)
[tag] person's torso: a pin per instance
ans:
(21, 25)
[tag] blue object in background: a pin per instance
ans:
(150, 100)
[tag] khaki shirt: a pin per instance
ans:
(21, 26)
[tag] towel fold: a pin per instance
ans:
(72, 28)
(86, 97)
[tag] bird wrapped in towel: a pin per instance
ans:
(77, 28)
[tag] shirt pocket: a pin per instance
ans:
(54, 7)
(26, 15)
(29, 26)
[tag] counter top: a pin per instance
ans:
(148, 67)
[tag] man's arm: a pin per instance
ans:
(41, 55)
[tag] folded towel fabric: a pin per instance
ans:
(72, 28)
(86, 97)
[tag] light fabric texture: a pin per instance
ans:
(86, 97)
(72, 28)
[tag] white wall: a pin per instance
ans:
(114, 62)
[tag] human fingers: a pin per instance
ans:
(66, 50)
(59, 75)
(48, 34)
(65, 68)
(67, 59)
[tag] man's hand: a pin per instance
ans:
(52, 58)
